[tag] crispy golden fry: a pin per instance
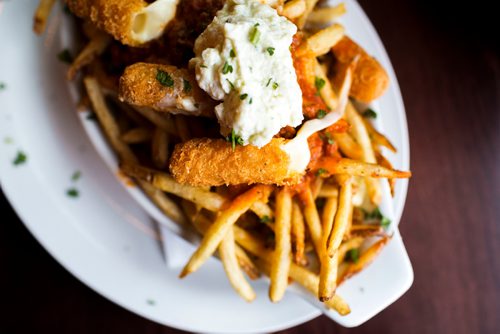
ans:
(310, 281)
(349, 244)
(348, 145)
(367, 230)
(42, 14)
(246, 264)
(202, 223)
(298, 234)
(159, 148)
(164, 203)
(262, 210)
(222, 224)
(370, 79)
(321, 42)
(312, 219)
(106, 120)
(301, 21)
(328, 268)
(213, 162)
(364, 260)
(160, 120)
(182, 127)
(302, 276)
(294, 8)
(326, 15)
(282, 253)
(316, 186)
(206, 199)
(342, 215)
(164, 88)
(358, 168)
(328, 190)
(362, 137)
(227, 254)
(94, 47)
(132, 22)
(382, 161)
(137, 135)
(326, 92)
(377, 137)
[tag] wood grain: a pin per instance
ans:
(448, 65)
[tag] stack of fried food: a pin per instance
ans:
(316, 229)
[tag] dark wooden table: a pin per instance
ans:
(448, 65)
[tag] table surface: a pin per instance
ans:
(448, 65)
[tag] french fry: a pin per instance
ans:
(348, 145)
(298, 234)
(206, 199)
(321, 42)
(361, 135)
(326, 15)
(364, 260)
(106, 119)
(382, 161)
(182, 128)
(137, 135)
(222, 224)
(301, 21)
(161, 120)
(302, 276)
(326, 93)
(294, 8)
(227, 254)
(367, 230)
(94, 47)
(159, 148)
(316, 186)
(164, 203)
(365, 169)
(312, 219)
(346, 246)
(202, 223)
(282, 253)
(262, 210)
(42, 14)
(246, 264)
(342, 215)
(377, 137)
(328, 190)
(328, 268)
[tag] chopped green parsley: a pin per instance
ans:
(321, 113)
(164, 78)
(20, 159)
(65, 56)
(369, 113)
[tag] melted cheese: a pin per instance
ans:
(149, 23)
(298, 148)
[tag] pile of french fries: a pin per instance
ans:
(315, 234)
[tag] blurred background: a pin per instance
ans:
(447, 60)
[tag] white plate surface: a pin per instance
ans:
(107, 240)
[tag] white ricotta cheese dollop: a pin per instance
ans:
(243, 59)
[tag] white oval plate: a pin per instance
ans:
(107, 240)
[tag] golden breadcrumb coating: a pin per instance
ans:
(179, 92)
(212, 162)
(370, 80)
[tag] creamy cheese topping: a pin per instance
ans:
(149, 23)
(243, 59)
(298, 148)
